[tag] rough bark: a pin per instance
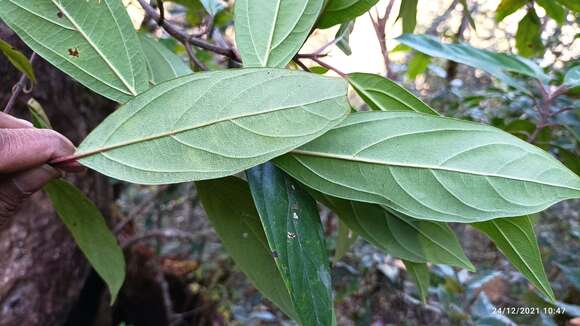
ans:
(41, 270)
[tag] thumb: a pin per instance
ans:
(16, 188)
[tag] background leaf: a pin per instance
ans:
(345, 239)
(470, 172)
(18, 60)
(64, 34)
(571, 4)
(508, 7)
(383, 94)
(497, 64)
(231, 211)
(162, 64)
(39, 117)
(342, 11)
(554, 10)
(270, 32)
(398, 235)
(529, 35)
(420, 274)
(343, 36)
(572, 77)
(408, 15)
(88, 228)
(194, 132)
(293, 229)
(516, 239)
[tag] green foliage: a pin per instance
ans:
(571, 4)
(369, 150)
(420, 274)
(408, 15)
(185, 140)
(162, 64)
(399, 235)
(345, 239)
(343, 11)
(383, 94)
(343, 37)
(87, 226)
(39, 117)
(290, 219)
(230, 209)
(66, 36)
(508, 7)
(18, 60)
(269, 33)
(554, 10)
(497, 64)
(529, 35)
(572, 77)
(515, 238)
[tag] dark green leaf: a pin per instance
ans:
(70, 34)
(497, 64)
(399, 235)
(383, 94)
(163, 64)
(420, 274)
(408, 15)
(18, 60)
(293, 229)
(342, 11)
(554, 10)
(39, 117)
(516, 239)
(432, 168)
(230, 209)
(270, 32)
(213, 124)
(88, 228)
(508, 7)
(529, 35)
(343, 36)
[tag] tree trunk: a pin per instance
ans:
(41, 270)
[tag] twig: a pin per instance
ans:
(160, 233)
(327, 66)
(543, 108)
(193, 59)
(379, 26)
(139, 209)
(185, 38)
(161, 11)
(18, 88)
(301, 64)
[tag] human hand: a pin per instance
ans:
(24, 156)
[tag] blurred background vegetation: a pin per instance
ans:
(179, 274)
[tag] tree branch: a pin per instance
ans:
(18, 88)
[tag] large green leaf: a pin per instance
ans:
(529, 35)
(18, 60)
(399, 235)
(290, 219)
(420, 274)
(508, 7)
(209, 125)
(497, 64)
(342, 11)
(270, 32)
(383, 94)
(230, 209)
(516, 239)
(162, 64)
(431, 167)
(88, 228)
(92, 41)
(408, 15)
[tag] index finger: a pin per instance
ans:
(8, 121)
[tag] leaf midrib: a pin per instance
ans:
(419, 166)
